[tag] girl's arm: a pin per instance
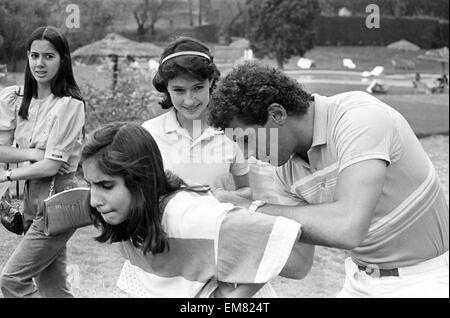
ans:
(230, 290)
(40, 169)
(12, 155)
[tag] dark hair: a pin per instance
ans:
(63, 84)
(129, 151)
(247, 92)
(194, 66)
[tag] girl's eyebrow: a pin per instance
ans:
(53, 53)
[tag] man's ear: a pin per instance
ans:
(277, 114)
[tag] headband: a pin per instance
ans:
(171, 56)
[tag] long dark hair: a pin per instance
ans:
(129, 151)
(194, 66)
(63, 84)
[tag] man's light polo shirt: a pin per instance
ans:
(411, 220)
(211, 159)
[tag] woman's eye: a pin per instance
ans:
(198, 88)
(107, 186)
(50, 56)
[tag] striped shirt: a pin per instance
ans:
(54, 124)
(209, 241)
(411, 219)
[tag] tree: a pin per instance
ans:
(17, 20)
(147, 13)
(282, 28)
(96, 17)
(226, 13)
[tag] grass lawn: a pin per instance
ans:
(365, 59)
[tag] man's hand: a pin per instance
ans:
(230, 197)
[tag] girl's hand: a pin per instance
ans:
(64, 169)
(35, 154)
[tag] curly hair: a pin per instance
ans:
(193, 66)
(247, 92)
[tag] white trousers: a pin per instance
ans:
(428, 279)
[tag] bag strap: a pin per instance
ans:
(52, 187)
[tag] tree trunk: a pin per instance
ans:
(14, 63)
(191, 17)
(141, 30)
(280, 60)
(152, 28)
(199, 12)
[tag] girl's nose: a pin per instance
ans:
(95, 199)
(40, 61)
(188, 99)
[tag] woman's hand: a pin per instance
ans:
(64, 169)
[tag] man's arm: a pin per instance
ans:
(300, 261)
(343, 223)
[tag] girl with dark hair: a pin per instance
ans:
(178, 241)
(45, 118)
(190, 148)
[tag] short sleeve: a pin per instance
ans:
(254, 247)
(283, 191)
(239, 167)
(364, 133)
(8, 111)
(66, 132)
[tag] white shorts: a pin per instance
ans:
(428, 279)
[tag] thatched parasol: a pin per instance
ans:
(403, 45)
(114, 46)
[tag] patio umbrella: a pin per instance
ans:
(114, 46)
(403, 45)
(438, 55)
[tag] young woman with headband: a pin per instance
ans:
(199, 154)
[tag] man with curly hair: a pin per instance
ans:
(351, 171)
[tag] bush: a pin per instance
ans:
(129, 102)
(441, 36)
